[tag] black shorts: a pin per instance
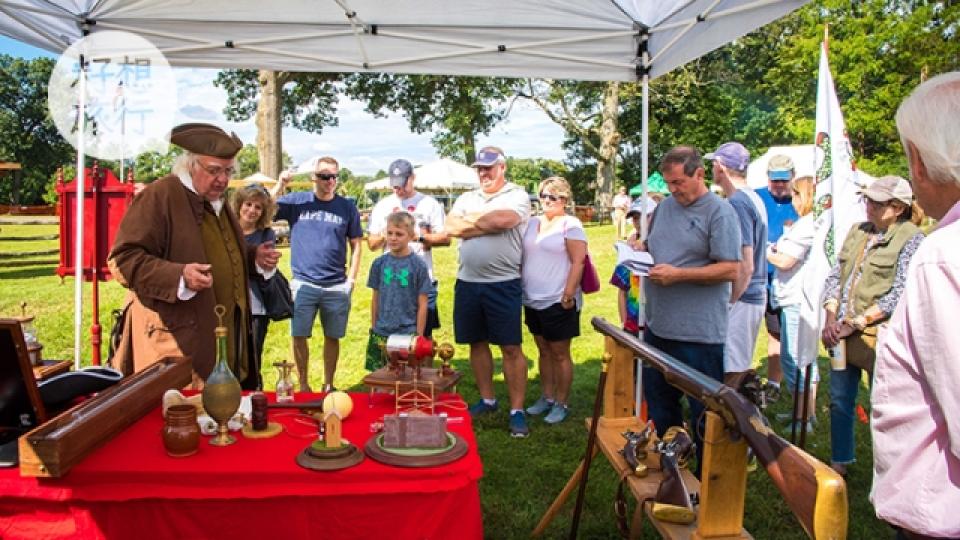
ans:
(772, 320)
(554, 323)
(487, 312)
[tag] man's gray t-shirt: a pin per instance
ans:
(492, 257)
(399, 281)
(753, 233)
(692, 236)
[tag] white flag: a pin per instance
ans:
(837, 207)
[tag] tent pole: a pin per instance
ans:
(78, 245)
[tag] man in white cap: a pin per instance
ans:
(915, 416)
(428, 226)
(181, 252)
(488, 295)
(748, 298)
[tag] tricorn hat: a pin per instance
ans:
(206, 139)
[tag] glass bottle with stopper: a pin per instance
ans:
(221, 391)
(284, 381)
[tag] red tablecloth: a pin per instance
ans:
(252, 489)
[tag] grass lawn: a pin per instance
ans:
(521, 476)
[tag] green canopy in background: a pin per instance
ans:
(655, 184)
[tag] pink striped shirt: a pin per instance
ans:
(916, 394)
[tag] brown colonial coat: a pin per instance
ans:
(159, 234)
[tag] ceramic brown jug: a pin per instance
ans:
(181, 434)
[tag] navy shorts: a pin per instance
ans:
(554, 323)
(488, 312)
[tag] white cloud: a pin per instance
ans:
(361, 142)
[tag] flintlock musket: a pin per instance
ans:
(815, 493)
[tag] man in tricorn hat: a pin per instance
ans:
(180, 251)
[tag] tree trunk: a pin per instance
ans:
(269, 135)
(469, 147)
(609, 140)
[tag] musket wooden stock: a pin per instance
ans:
(814, 492)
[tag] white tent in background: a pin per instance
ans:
(441, 175)
(260, 178)
(601, 40)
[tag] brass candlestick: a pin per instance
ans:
(221, 392)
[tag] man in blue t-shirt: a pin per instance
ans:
(748, 299)
(322, 223)
(777, 199)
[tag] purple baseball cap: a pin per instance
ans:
(732, 155)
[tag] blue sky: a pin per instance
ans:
(362, 143)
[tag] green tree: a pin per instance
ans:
(306, 101)
(455, 109)
(589, 112)
(528, 172)
(248, 161)
(761, 89)
(29, 134)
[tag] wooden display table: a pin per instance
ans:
(430, 379)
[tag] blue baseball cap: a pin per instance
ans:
(399, 171)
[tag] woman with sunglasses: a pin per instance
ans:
(554, 247)
(861, 292)
(789, 255)
(254, 210)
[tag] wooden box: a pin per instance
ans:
(53, 448)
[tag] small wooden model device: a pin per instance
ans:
(415, 387)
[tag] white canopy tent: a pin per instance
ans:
(441, 175)
(623, 40)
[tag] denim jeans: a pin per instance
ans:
(663, 399)
(789, 345)
(844, 386)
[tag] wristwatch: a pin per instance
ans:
(421, 239)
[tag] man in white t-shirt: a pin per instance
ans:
(487, 300)
(428, 226)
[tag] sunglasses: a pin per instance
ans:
(256, 188)
(325, 176)
(551, 198)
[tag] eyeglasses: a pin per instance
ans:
(552, 198)
(325, 176)
(215, 171)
